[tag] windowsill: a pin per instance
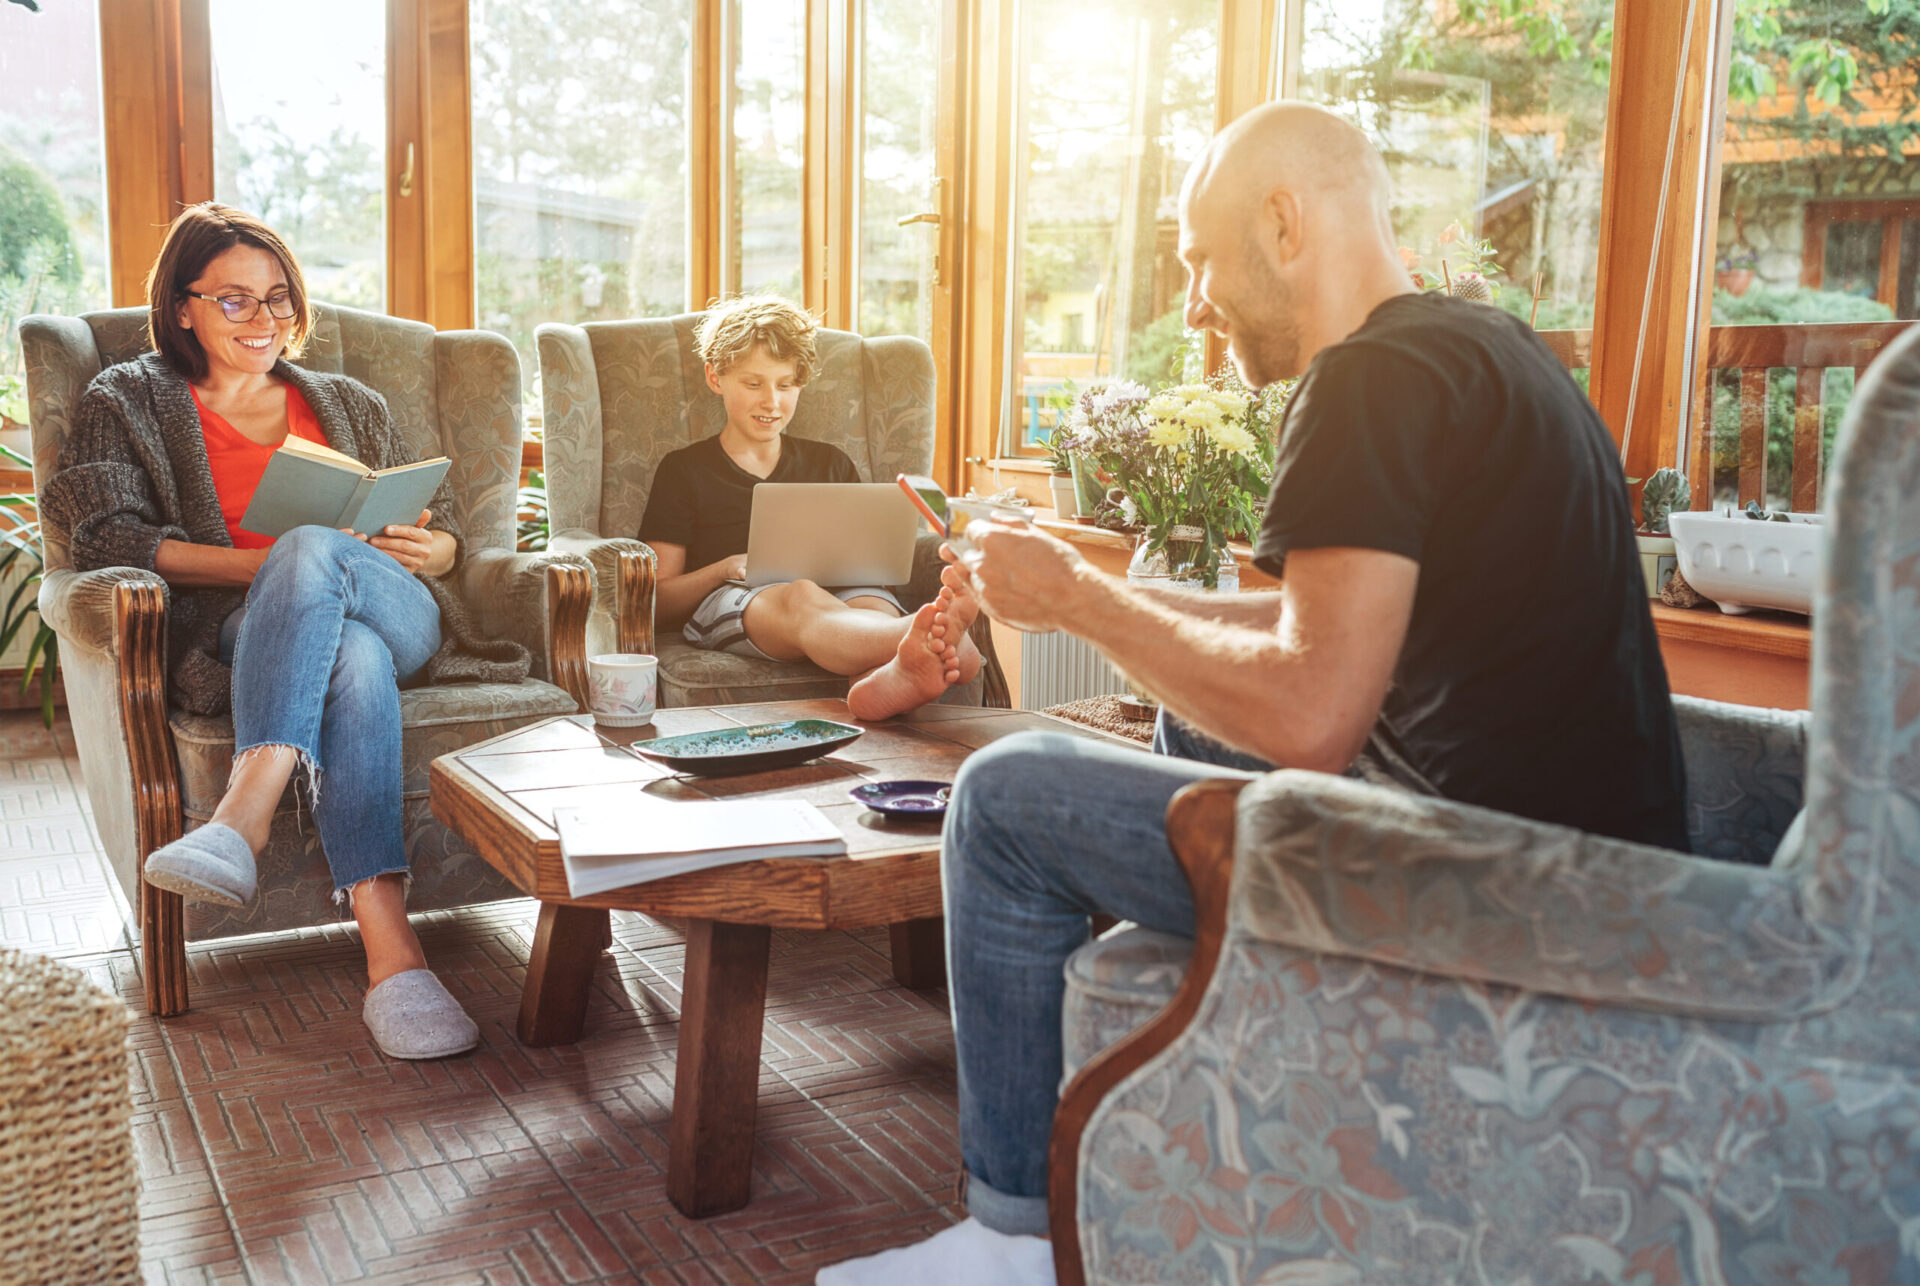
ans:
(1782, 634)
(1774, 633)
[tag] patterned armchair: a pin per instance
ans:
(620, 395)
(1421, 1042)
(152, 770)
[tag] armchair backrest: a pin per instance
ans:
(618, 396)
(1859, 861)
(453, 393)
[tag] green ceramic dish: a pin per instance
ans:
(759, 748)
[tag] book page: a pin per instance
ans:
(324, 454)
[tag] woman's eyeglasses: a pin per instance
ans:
(243, 308)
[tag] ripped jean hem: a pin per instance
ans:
(343, 896)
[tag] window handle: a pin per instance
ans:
(928, 216)
(406, 175)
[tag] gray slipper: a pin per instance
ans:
(211, 864)
(413, 1015)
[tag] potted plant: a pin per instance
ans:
(1066, 501)
(1666, 492)
(1734, 272)
(20, 549)
(13, 414)
(1194, 461)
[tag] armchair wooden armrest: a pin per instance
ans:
(506, 591)
(1200, 830)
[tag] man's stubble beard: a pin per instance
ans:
(1266, 344)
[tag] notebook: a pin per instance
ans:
(611, 846)
(307, 484)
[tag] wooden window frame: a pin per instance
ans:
(1891, 213)
(156, 58)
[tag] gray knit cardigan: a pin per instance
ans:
(133, 472)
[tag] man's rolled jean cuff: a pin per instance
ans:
(1011, 1216)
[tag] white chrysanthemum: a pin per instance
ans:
(1232, 405)
(1202, 417)
(1231, 437)
(1168, 432)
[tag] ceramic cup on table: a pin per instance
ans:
(621, 688)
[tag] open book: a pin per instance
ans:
(610, 847)
(310, 484)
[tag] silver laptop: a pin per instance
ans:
(831, 533)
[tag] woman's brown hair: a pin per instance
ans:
(198, 236)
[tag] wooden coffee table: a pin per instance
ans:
(500, 796)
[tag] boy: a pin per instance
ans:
(759, 353)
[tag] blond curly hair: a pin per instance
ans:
(731, 329)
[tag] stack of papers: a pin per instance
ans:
(610, 847)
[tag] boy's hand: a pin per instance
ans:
(411, 547)
(734, 568)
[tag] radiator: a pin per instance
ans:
(1058, 667)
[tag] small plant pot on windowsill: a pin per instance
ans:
(1066, 502)
(1734, 280)
(17, 436)
(1658, 561)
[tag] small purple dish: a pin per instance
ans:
(905, 798)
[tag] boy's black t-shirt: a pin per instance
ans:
(703, 500)
(1531, 679)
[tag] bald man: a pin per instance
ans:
(1460, 611)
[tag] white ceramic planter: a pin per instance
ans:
(1065, 503)
(1742, 564)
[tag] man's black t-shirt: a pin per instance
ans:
(703, 500)
(1531, 679)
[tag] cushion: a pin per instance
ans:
(1116, 983)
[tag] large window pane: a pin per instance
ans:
(900, 99)
(1116, 101)
(53, 244)
(769, 145)
(299, 123)
(580, 163)
(1492, 127)
(1819, 235)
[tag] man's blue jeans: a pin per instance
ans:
(331, 628)
(1046, 829)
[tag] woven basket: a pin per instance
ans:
(68, 1189)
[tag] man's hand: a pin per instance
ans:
(1024, 577)
(411, 547)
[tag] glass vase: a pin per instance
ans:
(1181, 561)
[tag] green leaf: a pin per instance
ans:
(9, 453)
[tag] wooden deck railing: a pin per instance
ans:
(1809, 351)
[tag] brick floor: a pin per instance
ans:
(277, 1145)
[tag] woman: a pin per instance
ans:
(305, 638)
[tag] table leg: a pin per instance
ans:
(919, 952)
(567, 944)
(716, 1076)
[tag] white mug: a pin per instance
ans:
(622, 685)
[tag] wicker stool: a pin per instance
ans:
(68, 1189)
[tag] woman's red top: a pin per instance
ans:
(238, 461)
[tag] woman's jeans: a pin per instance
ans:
(1046, 829)
(331, 628)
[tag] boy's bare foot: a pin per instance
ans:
(950, 624)
(920, 671)
(966, 603)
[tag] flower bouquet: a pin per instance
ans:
(1194, 461)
